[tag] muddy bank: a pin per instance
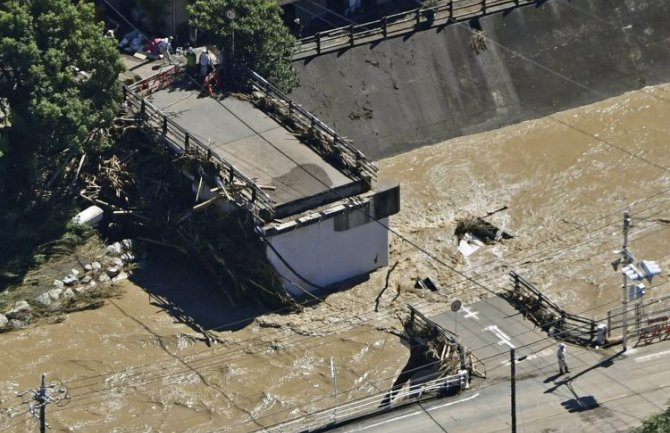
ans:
(565, 179)
(403, 93)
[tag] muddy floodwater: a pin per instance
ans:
(558, 184)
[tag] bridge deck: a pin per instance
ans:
(253, 142)
(490, 328)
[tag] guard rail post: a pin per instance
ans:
(186, 142)
(483, 7)
(418, 16)
(451, 10)
(384, 26)
(142, 107)
(165, 125)
(609, 323)
(231, 175)
(351, 35)
(317, 35)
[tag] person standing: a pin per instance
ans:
(560, 354)
(204, 61)
(164, 46)
(190, 60)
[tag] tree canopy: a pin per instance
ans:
(58, 88)
(659, 423)
(261, 40)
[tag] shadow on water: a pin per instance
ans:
(181, 287)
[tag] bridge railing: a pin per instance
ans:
(548, 315)
(369, 405)
(398, 24)
(245, 190)
(337, 150)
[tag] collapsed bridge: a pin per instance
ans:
(315, 199)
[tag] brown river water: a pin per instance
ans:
(565, 180)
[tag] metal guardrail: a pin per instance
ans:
(549, 316)
(338, 149)
(370, 405)
(645, 317)
(398, 24)
(247, 193)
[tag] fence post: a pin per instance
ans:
(609, 323)
(384, 27)
(418, 16)
(351, 35)
(318, 42)
(638, 316)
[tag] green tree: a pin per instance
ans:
(261, 40)
(58, 87)
(659, 423)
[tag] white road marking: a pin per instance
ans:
(504, 338)
(545, 352)
(398, 418)
(470, 313)
(652, 356)
(451, 403)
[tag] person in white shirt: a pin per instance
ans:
(164, 46)
(560, 354)
(204, 61)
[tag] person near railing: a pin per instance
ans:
(560, 354)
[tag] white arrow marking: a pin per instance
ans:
(504, 338)
(470, 313)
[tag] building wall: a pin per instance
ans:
(324, 256)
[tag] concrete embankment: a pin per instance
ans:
(423, 88)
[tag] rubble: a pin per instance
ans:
(108, 269)
(43, 300)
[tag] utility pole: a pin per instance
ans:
(626, 259)
(513, 384)
(53, 392)
(41, 399)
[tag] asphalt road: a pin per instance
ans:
(605, 391)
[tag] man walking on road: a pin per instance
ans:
(560, 354)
